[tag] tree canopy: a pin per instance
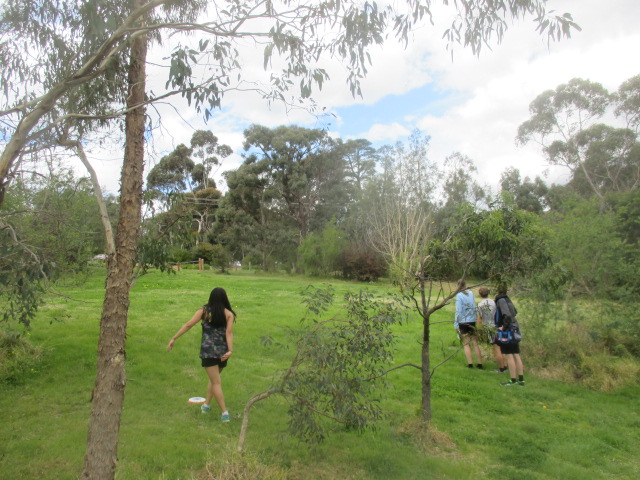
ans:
(65, 62)
(565, 122)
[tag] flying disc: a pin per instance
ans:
(196, 400)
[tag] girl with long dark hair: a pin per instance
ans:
(217, 318)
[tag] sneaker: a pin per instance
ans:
(205, 408)
(225, 417)
(509, 384)
(521, 383)
(499, 371)
(480, 366)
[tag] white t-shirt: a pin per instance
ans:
(487, 310)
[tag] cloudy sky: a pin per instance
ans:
(472, 105)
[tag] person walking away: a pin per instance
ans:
(217, 319)
(487, 318)
(465, 323)
(506, 320)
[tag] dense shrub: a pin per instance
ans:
(361, 263)
(594, 250)
(590, 343)
(220, 258)
(319, 253)
(204, 251)
(181, 255)
(214, 255)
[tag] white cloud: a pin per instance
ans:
(499, 86)
(385, 133)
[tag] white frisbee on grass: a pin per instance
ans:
(196, 400)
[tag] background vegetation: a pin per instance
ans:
(302, 202)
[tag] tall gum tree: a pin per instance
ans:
(566, 124)
(108, 395)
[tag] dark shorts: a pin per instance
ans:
(467, 328)
(210, 362)
(509, 348)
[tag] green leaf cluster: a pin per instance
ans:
(504, 242)
(335, 375)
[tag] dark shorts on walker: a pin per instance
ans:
(509, 348)
(210, 362)
(467, 328)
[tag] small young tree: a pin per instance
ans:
(23, 279)
(502, 242)
(335, 374)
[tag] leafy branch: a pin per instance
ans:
(332, 376)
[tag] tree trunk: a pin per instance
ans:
(426, 360)
(102, 206)
(108, 396)
(245, 416)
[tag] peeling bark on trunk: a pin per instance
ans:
(108, 398)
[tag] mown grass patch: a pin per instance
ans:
(546, 430)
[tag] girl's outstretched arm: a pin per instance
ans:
(185, 328)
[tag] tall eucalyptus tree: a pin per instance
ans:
(568, 123)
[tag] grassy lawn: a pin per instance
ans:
(546, 430)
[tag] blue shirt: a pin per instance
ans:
(465, 308)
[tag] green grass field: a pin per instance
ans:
(546, 430)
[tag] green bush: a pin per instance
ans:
(220, 258)
(595, 257)
(204, 251)
(181, 255)
(18, 358)
(319, 253)
(214, 255)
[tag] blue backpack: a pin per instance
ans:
(513, 334)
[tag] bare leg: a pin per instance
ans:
(467, 349)
(497, 353)
(214, 388)
(476, 348)
(518, 364)
(511, 362)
